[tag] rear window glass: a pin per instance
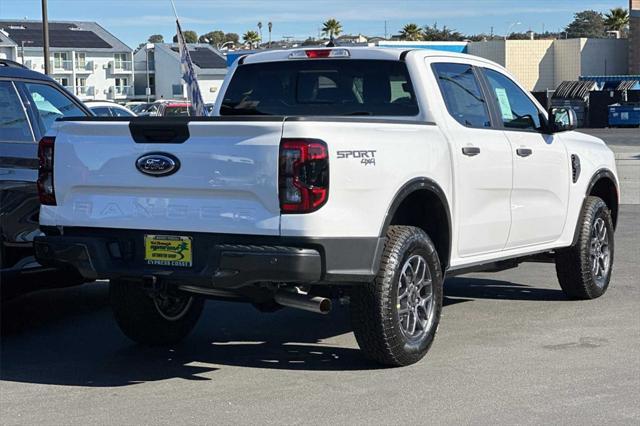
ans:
(321, 87)
(176, 111)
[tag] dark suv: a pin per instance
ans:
(29, 104)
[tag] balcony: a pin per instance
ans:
(120, 66)
(84, 67)
(141, 66)
(119, 92)
(83, 91)
(64, 65)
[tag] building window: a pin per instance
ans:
(81, 86)
(120, 61)
(60, 60)
(176, 90)
(122, 86)
(81, 61)
(63, 81)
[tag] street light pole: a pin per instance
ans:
(45, 36)
(22, 43)
(513, 24)
(148, 89)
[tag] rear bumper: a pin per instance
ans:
(219, 260)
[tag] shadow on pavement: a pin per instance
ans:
(483, 288)
(68, 337)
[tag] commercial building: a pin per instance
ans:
(543, 64)
(85, 58)
(165, 75)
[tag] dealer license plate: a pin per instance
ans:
(168, 250)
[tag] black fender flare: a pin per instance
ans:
(599, 174)
(419, 184)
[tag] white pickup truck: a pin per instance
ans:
(362, 174)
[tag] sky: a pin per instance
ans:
(132, 21)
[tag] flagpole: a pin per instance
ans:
(175, 12)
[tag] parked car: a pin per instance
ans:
(167, 108)
(135, 104)
(109, 109)
(140, 107)
(30, 102)
(363, 173)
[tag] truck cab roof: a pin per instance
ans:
(346, 52)
(11, 69)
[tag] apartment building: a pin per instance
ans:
(85, 58)
(634, 37)
(159, 64)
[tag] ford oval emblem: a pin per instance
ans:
(158, 164)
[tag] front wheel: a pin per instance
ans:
(153, 318)
(395, 317)
(584, 270)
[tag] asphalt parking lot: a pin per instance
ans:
(510, 349)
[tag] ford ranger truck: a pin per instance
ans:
(361, 174)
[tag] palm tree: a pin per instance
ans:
(270, 25)
(332, 27)
(260, 29)
(411, 32)
(251, 38)
(617, 19)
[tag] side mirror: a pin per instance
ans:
(562, 119)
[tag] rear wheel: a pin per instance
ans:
(584, 270)
(396, 316)
(153, 318)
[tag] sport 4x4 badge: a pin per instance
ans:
(366, 156)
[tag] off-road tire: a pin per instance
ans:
(374, 306)
(573, 264)
(141, 321)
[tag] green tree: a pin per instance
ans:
(189, 37)
(235, 38)
(156, 38)
(433, 33)
(332, 27)
(617, 19)
(251, 38)
(214, 38)
(587, 23)
(411, 32)
(310, 41)
(518, 36)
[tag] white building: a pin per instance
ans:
(85, 58)
(165, 75)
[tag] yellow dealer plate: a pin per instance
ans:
(168, 250)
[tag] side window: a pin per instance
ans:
(119, 112)
(462, 95)
(14, 125)
(516, 109)
(101, 111)
(51, 104)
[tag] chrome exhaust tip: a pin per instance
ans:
(318, 305)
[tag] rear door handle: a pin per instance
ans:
(524, 152)
(471, 150)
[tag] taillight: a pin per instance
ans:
(46, 190)
(303, 178)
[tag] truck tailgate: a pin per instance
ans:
(227, 180)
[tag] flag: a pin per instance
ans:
(189, 76)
